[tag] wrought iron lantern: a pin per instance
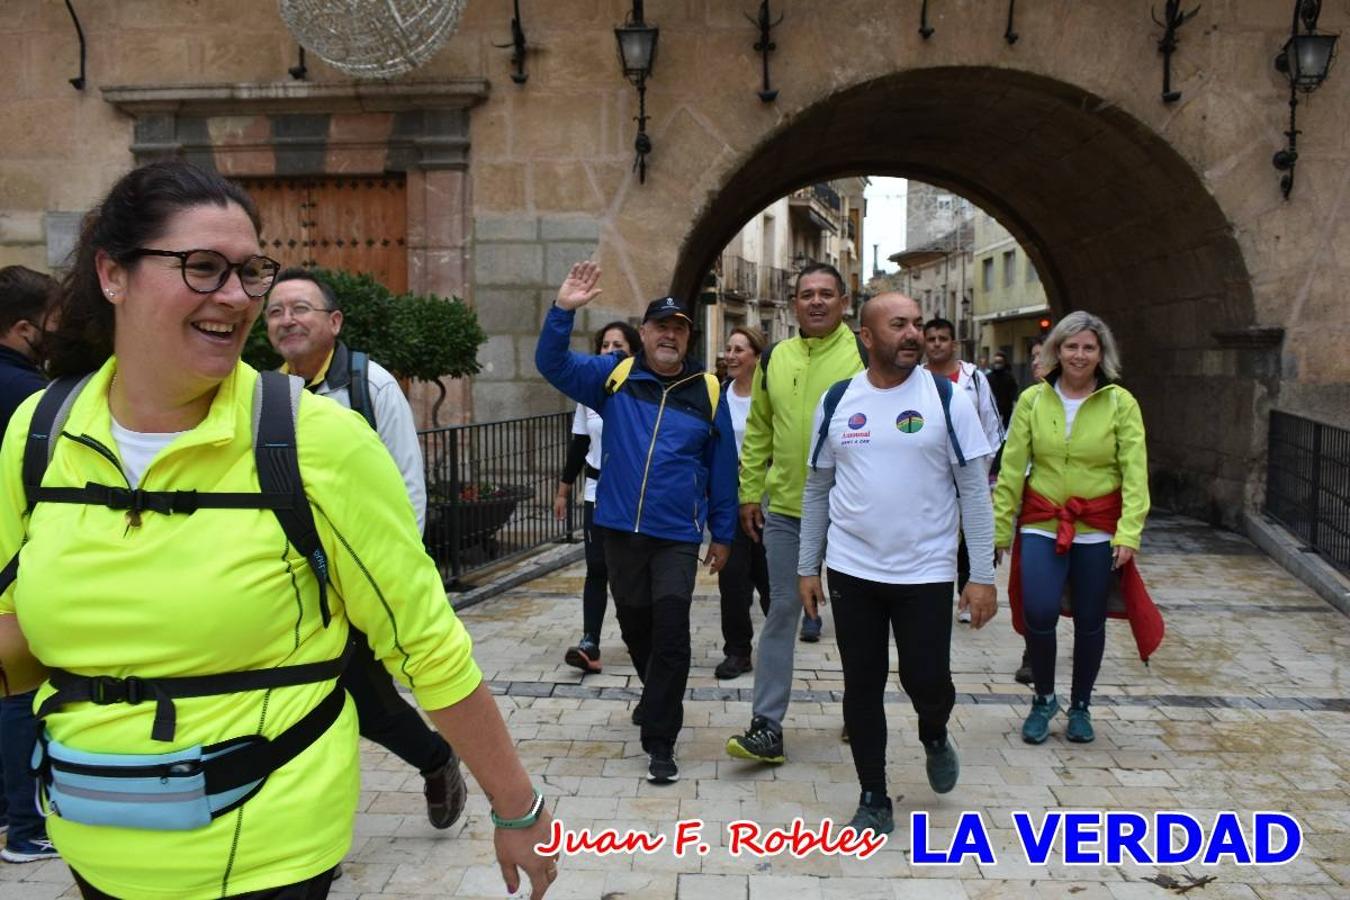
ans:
(637, 55)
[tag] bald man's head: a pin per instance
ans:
(883, 304)
(892, 331)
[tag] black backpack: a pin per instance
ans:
(358, 389)
(275, 405)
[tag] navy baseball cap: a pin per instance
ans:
(664, 308)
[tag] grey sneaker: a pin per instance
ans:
(943, 765)
(874, 814)
(446, 793)
(1036, 728)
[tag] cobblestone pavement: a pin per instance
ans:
(1245, 707)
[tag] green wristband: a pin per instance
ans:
(524, 821)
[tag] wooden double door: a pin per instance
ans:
(353, 223)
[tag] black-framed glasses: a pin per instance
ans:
(206, 271)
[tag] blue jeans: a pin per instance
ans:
(18, 733)
(1087, 569)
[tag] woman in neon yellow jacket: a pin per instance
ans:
(128, 599)
(1076, 467)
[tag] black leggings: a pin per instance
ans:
(745, 573)
(595, 592)
(384, 716)
(866, 614)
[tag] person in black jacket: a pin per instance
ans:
(25, 299)
(1003, 386)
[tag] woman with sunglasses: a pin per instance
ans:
(130, 598)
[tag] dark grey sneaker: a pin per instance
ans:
(1036, 728)
(446, 793)
(760, 743)
(732, 667)
(874, 814)
(943, 765)
(661, 767)
(1079, 729)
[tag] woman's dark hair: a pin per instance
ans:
(630, 335)
(135, 212)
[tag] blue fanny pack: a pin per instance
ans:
(178, 791)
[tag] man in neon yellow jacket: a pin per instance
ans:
(787, 387)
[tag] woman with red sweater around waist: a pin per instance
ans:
(1071, 501)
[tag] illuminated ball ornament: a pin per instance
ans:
(372, 38)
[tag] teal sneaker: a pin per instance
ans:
(943, 765)
(1079, 729)
(1036, 728)
(874, 813)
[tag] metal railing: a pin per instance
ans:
(739, 275)
(1308, 484)
(490, 489)
(777, 285)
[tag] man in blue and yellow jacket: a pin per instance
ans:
(668, 465)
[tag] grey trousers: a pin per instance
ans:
(778, 637)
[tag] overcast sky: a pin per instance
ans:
(885, 222)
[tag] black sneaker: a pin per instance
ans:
(638, 714)
(760, 743)
(585, 655)
(661, 768)
(446, 793)
(1024, 675)
(732, 667)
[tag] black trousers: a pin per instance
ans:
(653, 585)
(745, 574)
(866, 614)
(315, 888)
(384, 716)
(595, 591)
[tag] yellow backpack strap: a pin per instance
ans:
(619, 375)
(714, 393)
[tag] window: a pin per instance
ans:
(987, 275)
(1009, 267)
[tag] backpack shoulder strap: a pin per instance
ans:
(276, 402)
(764, 364)
(862, 348)
(944, 389)
(714, 394)
(619, 375)
(48, 419)
(833, 395)
(359, 387)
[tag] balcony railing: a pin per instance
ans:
(1308, 484)
(777, 285)
(740, 276)
(490, 488)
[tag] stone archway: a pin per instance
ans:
(1115, 220)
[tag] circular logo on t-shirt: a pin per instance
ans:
(909, 421)
(857, 420)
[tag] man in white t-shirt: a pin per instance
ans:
(891, 474)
